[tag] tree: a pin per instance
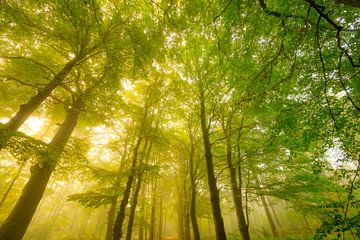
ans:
(19, 219)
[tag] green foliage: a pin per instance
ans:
(91, 199)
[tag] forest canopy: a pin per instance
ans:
(175, 119)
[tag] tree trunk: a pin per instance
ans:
(19, 219)
(161, 215)
(353, 3)
(152, 217)
(214, 192)
(114, 202)
(111, 218)
(117, 233)
(237, 196)
(193, 218)
(133, 208)
(142, 218)
(235, 186)
(28, 108)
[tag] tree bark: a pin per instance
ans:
(117, 232)
(153, 211)
(194, 223)
(353, 3)
(214, 192)
(142, 217)
(133, 208)
(161, 216)
(28, 108)
(114, 202)
(235, 186)
(111, 218)
(19, 219)
(237, 196)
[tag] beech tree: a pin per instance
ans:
(179, 119)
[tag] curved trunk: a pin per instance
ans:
(235, 185)
(133, 208)
(214, 192)
(34, 102)
(236, 195)
(19, 219)
(117, 232)
(111, 218)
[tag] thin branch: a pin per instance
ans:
(320, 10)
(29, 59)
(343, 84)
(8, 77)
(317, 37)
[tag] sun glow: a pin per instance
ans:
(33, 126)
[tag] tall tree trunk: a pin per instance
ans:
(161, 215)
(114, 202)
(194, 223)
(28, 108)
(186, 212)
(111, 218)
(117, 233)
(235, 186)
(137, 189)
(142, 212)
(153, 209)
(214, 192)
(19, 219)
(133, 208)
(237, 196)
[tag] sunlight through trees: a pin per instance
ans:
(179, 120)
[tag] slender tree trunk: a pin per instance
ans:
(161, 215)
(133, 207)
(19, 219)
(235, 186)
(117, 233)
(181, 208)
(114, 202)
(137, 190)
(214, 192)
(142, 212)
(186, 212)
(152, 217)
(194, 223)
(269, 217)
(28, 108)
(111, 218)
(237, 197)
(11, 185)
